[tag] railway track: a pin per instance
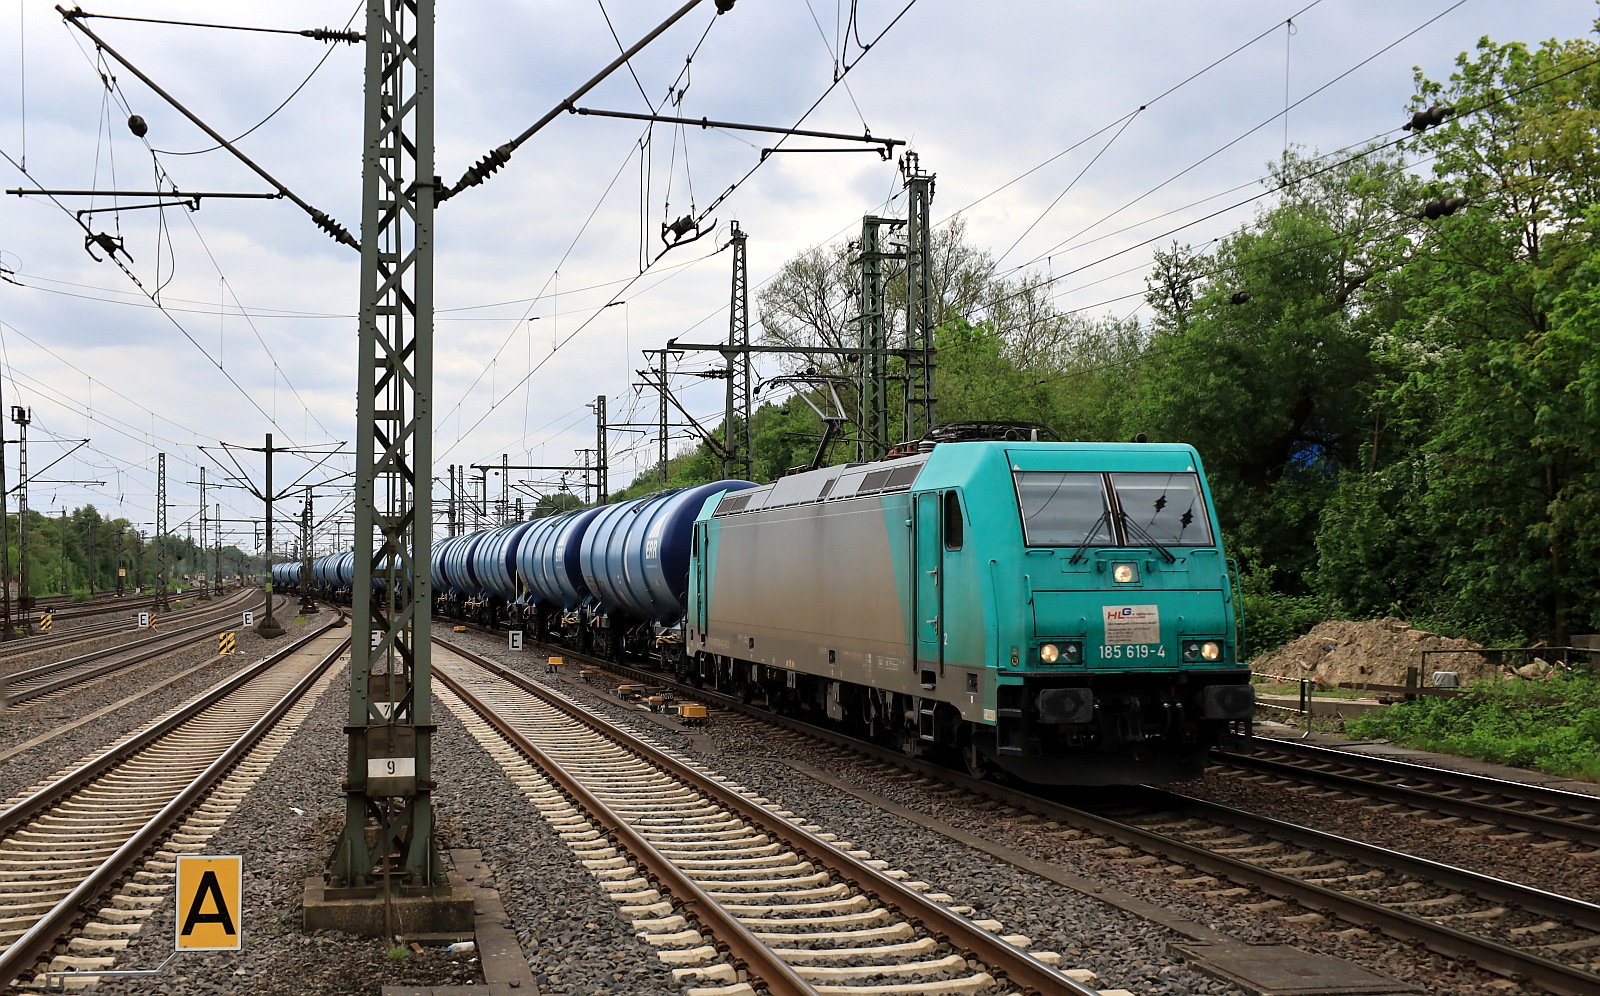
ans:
(68, 843)
(701, 868)
(79, 634)
(1550, 940)
(37, 683)
(1573, 817)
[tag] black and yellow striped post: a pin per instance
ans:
(46, 620)
(226, 644)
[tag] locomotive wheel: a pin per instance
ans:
(909, 743)
(973, 760)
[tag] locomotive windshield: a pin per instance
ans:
(1168, 507)
(1071, 509)
(1063, 509)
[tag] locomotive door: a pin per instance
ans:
(699, 580)
(928, 601)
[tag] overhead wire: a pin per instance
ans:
(1230, 144)
(801, 120)
(168, 315)
(456, 408)
(1289, 181)
(1146, 105)
(285, 103)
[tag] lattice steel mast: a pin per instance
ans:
(602, 486)
(920, 319)
(872, 400)
(161, 536)
(737, 455)
(390, 722)
(22, 416)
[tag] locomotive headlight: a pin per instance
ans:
(1071, 653)
(1211, 650)
(1049, 653)
(1124, 574)
(1191, 650)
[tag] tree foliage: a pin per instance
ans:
(68, 553)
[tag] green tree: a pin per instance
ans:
(1268, 370)
(1497, 295)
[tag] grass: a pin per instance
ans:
(1551, 725)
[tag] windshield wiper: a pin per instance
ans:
(1137, 531)
(1088, 537)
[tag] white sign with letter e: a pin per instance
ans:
(516, 639)
(209, 894)
(144, 620)
(249, 620)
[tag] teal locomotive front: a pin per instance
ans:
(1059, 611)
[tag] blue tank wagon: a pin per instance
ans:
(635, 561)
(286, 577)
(494, 567)
(1059, 611)
(555, 593)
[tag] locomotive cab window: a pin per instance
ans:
(1063, 509)
(955, 530)
(1168, 508)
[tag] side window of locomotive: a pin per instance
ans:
(1169, 507)
(955, 528)
(1063, 509)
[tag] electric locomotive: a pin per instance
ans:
(1062, 612)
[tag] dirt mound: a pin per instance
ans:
(1377, 651)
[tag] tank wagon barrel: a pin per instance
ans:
(548, 559)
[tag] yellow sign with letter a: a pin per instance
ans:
(210, 890)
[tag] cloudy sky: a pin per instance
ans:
(1009, 104)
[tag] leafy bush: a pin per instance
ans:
(1551, 726)
(1272, 618)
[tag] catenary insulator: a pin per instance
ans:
(1441, 207)
(137, 126)
(1430, 118)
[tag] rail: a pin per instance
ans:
(975, 942)
(42, 936)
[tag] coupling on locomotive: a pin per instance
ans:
(1060, 612)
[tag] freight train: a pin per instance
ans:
(1060, 612)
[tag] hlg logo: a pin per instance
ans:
(1122, 613)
